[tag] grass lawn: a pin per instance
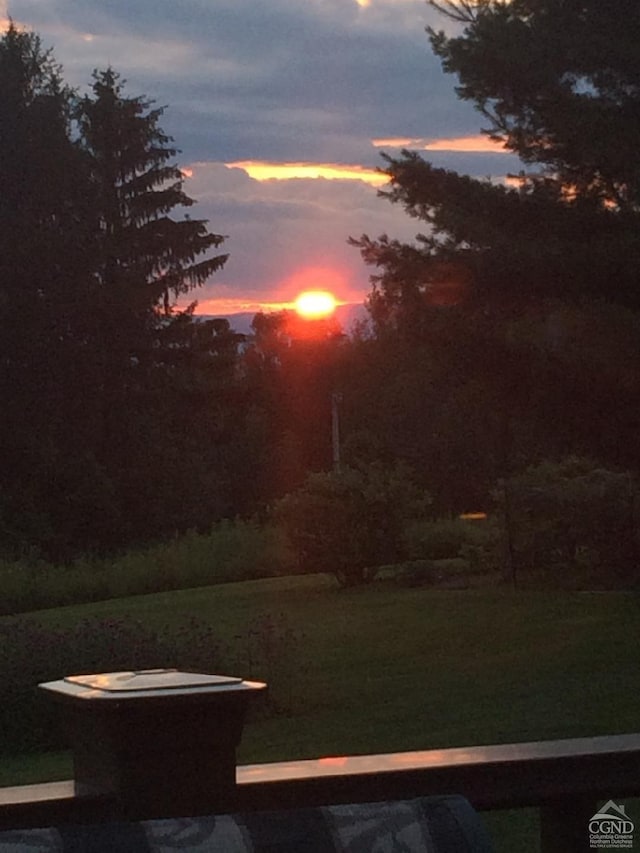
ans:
(384, 668)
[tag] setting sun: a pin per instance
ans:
(314, 304)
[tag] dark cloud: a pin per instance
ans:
(282, 81)
(249, 77)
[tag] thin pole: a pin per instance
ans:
(336, 399)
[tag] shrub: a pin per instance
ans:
(350, 522)
(574, 515)
(446, 538)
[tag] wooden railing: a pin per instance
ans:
(565, 779)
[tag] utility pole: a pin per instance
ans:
(336, 399)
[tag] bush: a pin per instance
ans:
(350, 522)
(573, 515)
(446, 538)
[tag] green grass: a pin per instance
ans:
(383, 669)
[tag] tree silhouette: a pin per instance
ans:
(147, 257)
(559, 85)
(504, 272)
(96, 366)
(46, 297)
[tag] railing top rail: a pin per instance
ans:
(490, 777)
(355, 765)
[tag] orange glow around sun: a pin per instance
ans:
(315, 304)
(283, 295)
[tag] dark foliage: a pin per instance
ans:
(117, 409)
(503, 331)
(573, 520)
(350, 522)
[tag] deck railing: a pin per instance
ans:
(565, 779)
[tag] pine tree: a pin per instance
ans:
(147, 257)
(558, 84)
(45, 280)
(504, 274)
(46, 298)
(91, 260)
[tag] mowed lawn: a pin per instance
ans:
(386, 668)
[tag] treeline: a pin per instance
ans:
(506, 335)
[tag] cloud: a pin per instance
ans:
(478, 143)
(269, 75)
(279, 90)
(264, 171)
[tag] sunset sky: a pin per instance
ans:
(281, 109)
